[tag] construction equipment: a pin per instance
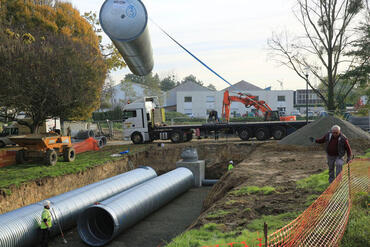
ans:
(248, 101)
(47, 147)
(16, 129)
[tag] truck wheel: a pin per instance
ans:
(244, 134)
(279, 133)
(69, 155)
(2, 144)
(262, 134)
(177, 136)
(136, 138)
(20, 156)
(189, 137)
(51, 157)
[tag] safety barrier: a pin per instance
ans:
(324, 222)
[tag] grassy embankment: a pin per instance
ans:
(18, 174)
(357, 232)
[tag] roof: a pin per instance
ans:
(243, 86)
(189, 86)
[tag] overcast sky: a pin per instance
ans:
(230, 36)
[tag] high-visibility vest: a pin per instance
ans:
(46, 215)
(230, 167)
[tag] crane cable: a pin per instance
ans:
(191, 54)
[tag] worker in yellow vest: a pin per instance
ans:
(46, 224)
(231, 165)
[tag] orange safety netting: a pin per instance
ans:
(89, 144)
(324, 222)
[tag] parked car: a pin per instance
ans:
(310, 114)
(323, 114)
(296, 113)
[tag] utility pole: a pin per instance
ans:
(307, 96)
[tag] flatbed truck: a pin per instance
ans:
(143, 122)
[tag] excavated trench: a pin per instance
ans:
(152, 231)
(257, 164)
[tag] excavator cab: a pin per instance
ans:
(272, 116)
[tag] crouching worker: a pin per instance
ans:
(336, 146)
(46, 224)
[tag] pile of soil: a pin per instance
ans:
(320, 127)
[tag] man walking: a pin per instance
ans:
(336, 145)
(46, 224)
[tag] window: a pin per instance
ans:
(281, 98)
(188, 99)
(129, 114)
(210, 99)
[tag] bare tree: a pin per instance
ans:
(323, 49)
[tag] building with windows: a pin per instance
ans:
(190, 98)
(197, 101)
(315, 103)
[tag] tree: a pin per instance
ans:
(328, 36)
(168, 83)
(113, 58)
(129, 91)
(192, 78)
(107, 94)
(212, 87)
(54, 68)
(150, 82)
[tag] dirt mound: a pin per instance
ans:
(320, 127)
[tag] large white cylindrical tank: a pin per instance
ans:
(125, 23)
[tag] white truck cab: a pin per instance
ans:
(138, 118)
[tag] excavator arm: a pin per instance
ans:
(247, 100)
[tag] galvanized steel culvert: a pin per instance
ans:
(99, 224)
(20, 228)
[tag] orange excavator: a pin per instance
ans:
(248, 101)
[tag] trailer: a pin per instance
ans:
(143, 122)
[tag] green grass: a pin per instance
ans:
(212, 234)
(18, 174)
(317, 182)
(248, 190)
(273, 221)
(367, 155)
(310, 199)
(218, 214)
(358, 229)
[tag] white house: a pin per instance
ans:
(191, 99)
(129, 91)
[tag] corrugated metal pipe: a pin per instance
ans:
(99, 224)
(20, 227)
(125, 23)
(209, 182)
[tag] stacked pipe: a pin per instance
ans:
(99, 224)
(20, 227)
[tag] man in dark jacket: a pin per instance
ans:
(336, 146)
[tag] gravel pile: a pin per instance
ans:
(320, 127)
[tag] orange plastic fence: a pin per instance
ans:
(324, 222)
(89, 144)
